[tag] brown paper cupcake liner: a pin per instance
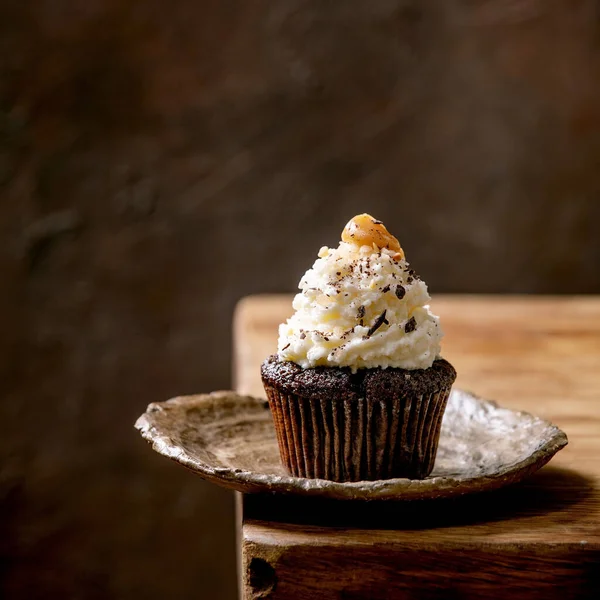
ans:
(358, 439)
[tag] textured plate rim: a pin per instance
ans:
(385, 489)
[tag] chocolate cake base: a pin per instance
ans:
(343, 426)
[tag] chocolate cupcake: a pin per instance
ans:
(358, 388)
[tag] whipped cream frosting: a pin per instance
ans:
(361, 306)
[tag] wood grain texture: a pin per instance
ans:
(383, 571)
(538, 539)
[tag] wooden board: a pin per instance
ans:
(539, 354)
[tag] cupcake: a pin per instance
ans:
(358, 388)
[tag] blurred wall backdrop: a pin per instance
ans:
(160, 160)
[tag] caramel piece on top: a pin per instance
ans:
(364, 230)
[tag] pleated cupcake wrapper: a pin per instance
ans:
(354, 440)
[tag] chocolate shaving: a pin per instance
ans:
(379, 321)
(320, 333)
(410, 325)
(360, 315)
(400, 292)
(411, 275)
(347, 333)
(336, 350)
(286, 347)
(385, 289)
(302, 335)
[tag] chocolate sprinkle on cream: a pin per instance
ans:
(286, 347)
(411, 325)
(379, 321)
(302, 335)
(385, 289)
(400, 292)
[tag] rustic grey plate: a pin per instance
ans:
(229, 439)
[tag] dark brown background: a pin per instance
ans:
(160, 160)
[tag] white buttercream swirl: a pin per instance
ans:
(360, 307)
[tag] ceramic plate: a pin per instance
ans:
(229, 439)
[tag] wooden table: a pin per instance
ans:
(537, 539)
